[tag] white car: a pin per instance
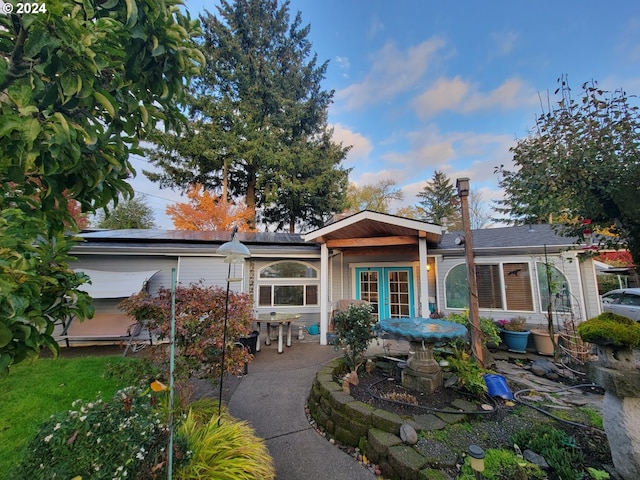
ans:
(624, 301)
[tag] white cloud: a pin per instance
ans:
(393, 72)
(361, 146)
(457, 95)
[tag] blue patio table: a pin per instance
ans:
(272, 319)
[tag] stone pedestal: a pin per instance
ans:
(621, 417)
(423, 372)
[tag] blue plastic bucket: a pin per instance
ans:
(497, 386)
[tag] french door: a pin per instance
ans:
(388, 289)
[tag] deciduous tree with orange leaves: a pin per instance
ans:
(205, 211)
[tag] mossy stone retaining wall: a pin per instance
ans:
(375, 431)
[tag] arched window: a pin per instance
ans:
(288, 283)
(551, 280)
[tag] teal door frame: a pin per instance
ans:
(385, 289)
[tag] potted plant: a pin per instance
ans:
(515, 334)
(542, 341)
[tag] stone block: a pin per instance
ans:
(406, 461)
(339, 400)
(387, 421)
(381, 441)
(621, 383)
(451, 418)
(360, 411)
(345, 436)
(464, 405)
(429, 422)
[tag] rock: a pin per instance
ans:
(533, 457)
(408, 434)
(538, 371)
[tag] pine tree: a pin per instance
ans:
(259, 119)
(440, 201)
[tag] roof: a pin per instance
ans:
(522, 238)
(191, 236)
(515, 239)
(369, 224)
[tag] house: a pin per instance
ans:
(403, 267)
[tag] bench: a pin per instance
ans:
(136, 335)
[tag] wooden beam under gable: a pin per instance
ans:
(372, 241)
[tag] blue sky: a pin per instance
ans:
(434, 85)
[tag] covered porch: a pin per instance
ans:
(380, 258)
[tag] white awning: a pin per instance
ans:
(114, 284)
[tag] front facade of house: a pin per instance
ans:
(403, 267)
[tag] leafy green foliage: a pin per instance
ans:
(125, 437)
(79, 86)
(580, 163)
(229, 451)
(258, 124)
(610, 329)
(36, 390)
(558, 449)
(199, 313)
(501, 464)
(131, 213)
(490, 331)
(354, 332)
(468, 371)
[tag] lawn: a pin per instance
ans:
(33, 391)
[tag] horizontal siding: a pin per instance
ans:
(211, 271)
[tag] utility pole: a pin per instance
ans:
(462, 184)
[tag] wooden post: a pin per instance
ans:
(462, 184)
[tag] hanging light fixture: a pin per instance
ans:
(234, 252)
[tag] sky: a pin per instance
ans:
(425, 85)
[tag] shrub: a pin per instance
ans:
(558, 449)
(354, 332)
(124, 438)
(229, 451)
(610, 329)
(200, 313)
(490, 331)
(469, 373)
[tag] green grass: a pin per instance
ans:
(35, 390)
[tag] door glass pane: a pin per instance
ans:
(369, 289)
(398, 282)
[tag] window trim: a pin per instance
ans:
(273, 282)
(502, 292)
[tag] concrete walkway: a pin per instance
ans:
(272, 398)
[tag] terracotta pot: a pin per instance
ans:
(542, 341)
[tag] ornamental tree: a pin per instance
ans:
(80, 85)
(581, 164)
(209, 212)
(199, 313)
